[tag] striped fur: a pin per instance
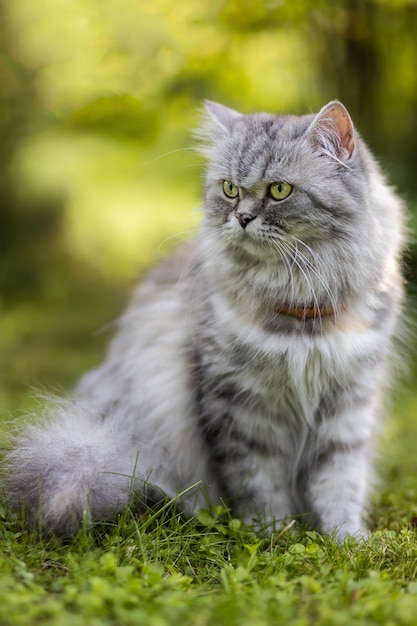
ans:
(208, 380)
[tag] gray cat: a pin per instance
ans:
(254, 360)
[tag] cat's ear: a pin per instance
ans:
(332, 131)
(223, 116)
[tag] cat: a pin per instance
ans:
(255, 359)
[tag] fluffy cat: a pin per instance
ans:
(254, 360)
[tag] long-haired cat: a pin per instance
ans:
(254, 360)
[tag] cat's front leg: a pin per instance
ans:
(265, 497)
(253, 482)
(337, 488)
(244, 450)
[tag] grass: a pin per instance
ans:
(158, 568)
(206, 571)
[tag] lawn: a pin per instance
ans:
(159, 568)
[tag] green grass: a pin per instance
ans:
(206, 571)
(158, 568)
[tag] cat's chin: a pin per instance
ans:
(254, 242)
(255, 249)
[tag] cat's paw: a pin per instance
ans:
(346, 531)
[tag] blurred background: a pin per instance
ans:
(98, 174)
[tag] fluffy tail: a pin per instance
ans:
(71, 466)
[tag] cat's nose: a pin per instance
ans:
(244, 218)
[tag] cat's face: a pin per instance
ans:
(285, 179)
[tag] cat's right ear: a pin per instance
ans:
(332, 132)
(224, 117)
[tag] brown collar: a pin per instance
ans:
(304, 313)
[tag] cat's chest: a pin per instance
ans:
(285, 379)
(291, 374)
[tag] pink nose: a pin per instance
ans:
(244, 218)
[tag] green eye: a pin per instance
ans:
(230, 190)
(280, 190)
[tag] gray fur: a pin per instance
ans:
(208, 380)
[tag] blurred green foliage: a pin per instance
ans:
(97, 100)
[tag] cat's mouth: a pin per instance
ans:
(258, 245)
(254, 232)
(254, 225)
(281, 236)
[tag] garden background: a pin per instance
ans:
(99, 180)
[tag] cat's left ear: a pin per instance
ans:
(332, 131)
(223, 116)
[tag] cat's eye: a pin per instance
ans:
(280, 190)
(230, 189)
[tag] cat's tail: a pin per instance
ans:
(73, 466)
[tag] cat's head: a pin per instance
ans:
(297, 205)
(285, 178)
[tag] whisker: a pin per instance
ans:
(166, 154)
(308, 263)
(294, 252)
(181, 236)
(274, 243)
